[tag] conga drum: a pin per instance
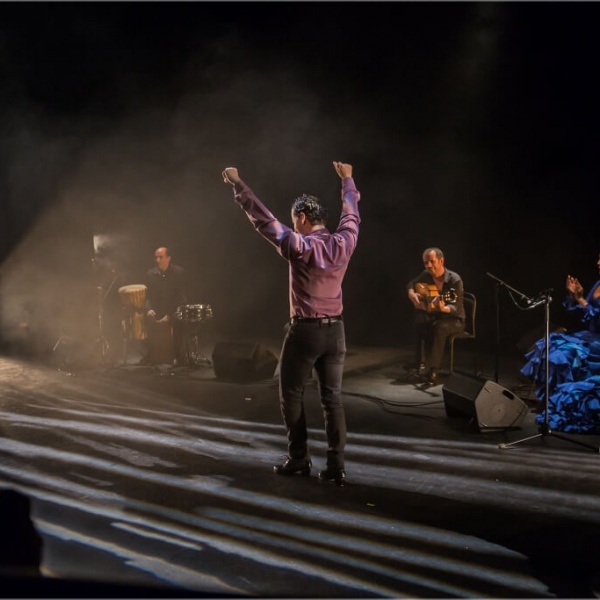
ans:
(133, 297)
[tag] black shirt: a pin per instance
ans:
(166, 290)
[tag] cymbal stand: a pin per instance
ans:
(62, 350)
(544, 429)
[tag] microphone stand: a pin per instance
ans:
(499, 284)
(497, 345)
(544, 429)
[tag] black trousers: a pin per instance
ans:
(321, 346)
(433, 334)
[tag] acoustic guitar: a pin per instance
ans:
(429, 292)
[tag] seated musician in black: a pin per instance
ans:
(437, 296)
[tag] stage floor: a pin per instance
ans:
(160, 480)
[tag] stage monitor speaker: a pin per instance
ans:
(490, 405)
(242, 362)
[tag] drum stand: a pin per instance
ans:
(544, 429)
(126, 327)
(127, 331)
(193, 357)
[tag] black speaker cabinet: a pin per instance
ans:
(241, 362)
(490, 405)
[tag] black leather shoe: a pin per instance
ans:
(430, 379)
(338, 476)
(412, 375)
(416, 370)
(292, 467)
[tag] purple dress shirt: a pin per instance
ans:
(318, 261)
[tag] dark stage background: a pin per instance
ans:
(471, 126)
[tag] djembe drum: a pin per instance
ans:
(133, 298)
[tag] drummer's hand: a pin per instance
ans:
(151, 314)
(165, 319)
(230, 175)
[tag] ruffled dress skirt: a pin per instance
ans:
(573, 382)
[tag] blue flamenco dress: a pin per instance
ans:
(574, 371)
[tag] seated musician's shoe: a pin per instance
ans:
(334, 474)
(417, 368)
(293, 467)
(431, 378)
(415, 373)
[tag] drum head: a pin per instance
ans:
(194, 313)
(133, 295)
(132, 289)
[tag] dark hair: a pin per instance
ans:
(437, 251)
(167, 250)
(311, 206)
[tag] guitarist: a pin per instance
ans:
(437, 296)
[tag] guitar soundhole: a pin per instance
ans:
(428, 292)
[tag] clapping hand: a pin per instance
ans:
(574, 287)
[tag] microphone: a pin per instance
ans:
(541, 297)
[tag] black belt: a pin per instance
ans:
(322, 320)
